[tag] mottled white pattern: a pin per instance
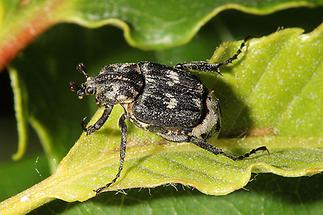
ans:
(197, 102)
(172, 103)
(173, 76)
(113, 92)
(169, 95)
(169, 83)
(145, 67)
(150, 79)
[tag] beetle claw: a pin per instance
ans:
(83, 124)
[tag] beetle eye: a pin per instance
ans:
(90, 90)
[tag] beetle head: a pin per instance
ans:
(86, 88)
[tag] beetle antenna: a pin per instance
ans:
(82, 69)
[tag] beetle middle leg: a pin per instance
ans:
(204, 145)
(98, 124)
(123, 144)
(212, 67)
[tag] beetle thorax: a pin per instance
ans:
(118, 84)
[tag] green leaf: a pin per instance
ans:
(146, 24)
(278, 83)
(284, 68)
(162, 24)
(265, 194)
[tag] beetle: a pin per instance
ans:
(170, 101)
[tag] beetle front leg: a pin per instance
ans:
(210, 67)
(123, 144)
(98, 124)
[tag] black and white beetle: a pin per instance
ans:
(169, 101)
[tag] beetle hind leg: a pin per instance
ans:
(204, 145)
(253, 151)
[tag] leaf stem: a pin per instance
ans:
(27, 200)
